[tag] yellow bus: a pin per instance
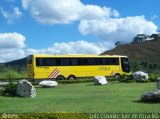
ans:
(61, 67)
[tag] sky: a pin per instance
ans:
(72, 26)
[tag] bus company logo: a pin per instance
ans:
(54, 73)
(112, 73)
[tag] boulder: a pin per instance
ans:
(140, 76)
(25, 89)
(48, 83)
(158, 83)
(3, 83)
(100, 80)
(151, 96)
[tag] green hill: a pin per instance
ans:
(17, 63)
(142, 55)
(144, 51)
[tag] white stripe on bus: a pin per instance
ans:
(113, 73)
(53, 73)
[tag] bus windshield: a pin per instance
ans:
(29, 59)
(125, 65)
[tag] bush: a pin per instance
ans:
(11, 74)
(9, 90)
(126, 78)
(74, 81)
(153, 77)
(142, 81)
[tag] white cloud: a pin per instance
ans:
(11, 46)
(11, 40)
(63, 12)
(26, 3)
(117, 29)
(90, 12)
(57, 12)
(11, 17)
(102, 22)
(77, 47)
(10, 54)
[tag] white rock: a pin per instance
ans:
(151, 96)
(140, 76)
(48, 83)
(100, 80)
(4, 83)
(25, 89)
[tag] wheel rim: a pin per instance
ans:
(117, 76)
(60, 78)
(71, 78)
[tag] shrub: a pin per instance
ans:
(142, 81)
(74, 81)
(11, 74)
(153, 77)
(9, 90)
(126, 78)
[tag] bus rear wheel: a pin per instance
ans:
(60, 77)
(71, 77)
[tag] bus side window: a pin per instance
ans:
(58, 62)
(115, 61)
(104, 61)
(51, 62)
(65, 62)
(73, 61)
(38, 62)
(80, 61)
(91, 61)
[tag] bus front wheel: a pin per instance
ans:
(60, 77)
(71, 77)
(116, 76)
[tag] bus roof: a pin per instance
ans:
(75, 55)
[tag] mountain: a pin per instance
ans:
(139, 51)
(18, 63)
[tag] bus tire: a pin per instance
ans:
(117, 75)
(60, 77)
(71, 77)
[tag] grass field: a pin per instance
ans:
(84, 98)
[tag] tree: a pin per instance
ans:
(140, 38)
(118, 43)
(155, 36)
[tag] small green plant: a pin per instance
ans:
(11, 74)
(126, 78)
(153, 77)
(9, 90)
(74, 81)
